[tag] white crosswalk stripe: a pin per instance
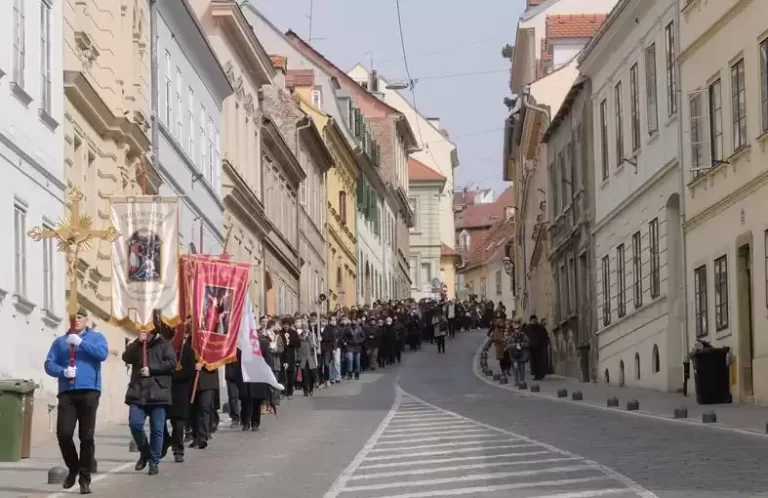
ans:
(423, 451)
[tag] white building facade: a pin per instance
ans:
(33, 279)
(191, 92)
(637, 224)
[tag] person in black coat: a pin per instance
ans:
(252, 394)
(181, 389)
(149, 394)
(539, 346)
(204, 406)
(291, 343)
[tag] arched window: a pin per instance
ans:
(655, 360)
(637, 366)
(621, 373)
(607, 377)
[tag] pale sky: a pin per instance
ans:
(442, 38)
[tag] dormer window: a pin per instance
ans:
(317, 97)
(464, 240)
(364, 84)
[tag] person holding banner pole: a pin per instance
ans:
(149, 393)
(203, 406)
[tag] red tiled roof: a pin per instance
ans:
(485, 215)
(492, 246)
(279, 62)
(573, 25)
(300, 78)
(418, 171)
(446, 251)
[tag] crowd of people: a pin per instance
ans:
(517, 344)
(304, 351)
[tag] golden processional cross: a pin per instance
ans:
(73, 234)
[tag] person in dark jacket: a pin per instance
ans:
(253, 394)
(329, 341)
(372, 342)
(538, 339)
(204, 406)
(149, 394)
(181, 389)
(354, 340)
(291, 343)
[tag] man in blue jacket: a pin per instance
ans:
(79, 392)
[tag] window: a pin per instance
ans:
(19, 42)
(179, 106)
(48, 259)
(698, 146)
(637, 366)
(498, 282)
(45, 55)
(554, 188)
(619, 124)
(211, 148)
(715, 123)
(413, 203)
(425, 275)
(571, 285)
(765, 241)
(634, 95)
(669, 40)
(606, 291)
(203, 139)
(738, 106)
(317, 97)
(576, 167)
(561, 180)
(413, 264)
(621, 295)
(653, 249)
(565, 180)
(721, 293)
(700, 301)
(651, 91)
(656, 359)
(604, 137)
(191, 122)
(168, 112)
(343, 207)
(764, 83)
(637, 269)
(20, 246)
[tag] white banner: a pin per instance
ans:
(145, 259)
(252, 363)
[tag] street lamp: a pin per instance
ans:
(400, 85)
(509, 266)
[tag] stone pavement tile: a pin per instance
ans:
(29, 477)
(738, 416)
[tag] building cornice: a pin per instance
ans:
(716, 26)
(335, 136)
(87, 100)
(245, 203)
(322, 157)
(284, 157)
(344, 245)
(244, 41)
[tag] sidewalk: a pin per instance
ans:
(28, 478)
(734, 416)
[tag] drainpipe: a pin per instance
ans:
(679, 97)
(299, 129)
(155, 93)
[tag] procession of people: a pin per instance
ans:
(170, 385)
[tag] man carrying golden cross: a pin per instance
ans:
(75, 358)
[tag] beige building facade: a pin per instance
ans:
(724, 66)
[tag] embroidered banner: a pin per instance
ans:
(218, 293)
(145, 259)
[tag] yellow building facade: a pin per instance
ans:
(340, 215)
(106, 139)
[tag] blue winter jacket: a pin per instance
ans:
(88, 357)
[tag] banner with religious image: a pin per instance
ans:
(218, 289)
(145, 259)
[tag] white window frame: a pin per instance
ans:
(168, 114)
(48, 271)
(179, 128)
(20, 247)
(45, 56)
(651, 90)
(203, 140)
(191, 122)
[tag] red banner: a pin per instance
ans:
(213, 296)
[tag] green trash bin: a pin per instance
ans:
(16, 401)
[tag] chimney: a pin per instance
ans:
(373, 84)
(434, 122)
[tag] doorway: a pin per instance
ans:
(746, 348)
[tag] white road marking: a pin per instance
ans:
(455, 459)
(474, 466)
(469, 477)
(404, 445)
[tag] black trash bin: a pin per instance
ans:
(713, 379)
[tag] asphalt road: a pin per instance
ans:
(430, 428)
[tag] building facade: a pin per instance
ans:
(437, 152)
(637, 227)
(248, 68)
(31, 158)
(488, 271)
(191, 92)
(426, 186)
(724, 93)
(570, 198)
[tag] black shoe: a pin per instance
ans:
(70, 480)
(178, 458)
(85, 488)
(306, 394)
(194, 443)
(246, 427)
(235, 424)
(188, 437)
(357, 376)
(154, 469)
(141, 464)
(202, 445)
(255, 428)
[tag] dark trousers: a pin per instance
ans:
(202, 415)
(290, 381)
(233, 401)
(440, 343)
(251, 412)
(505, 363)
(175, 439)
(308, 379)
(77, 407)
